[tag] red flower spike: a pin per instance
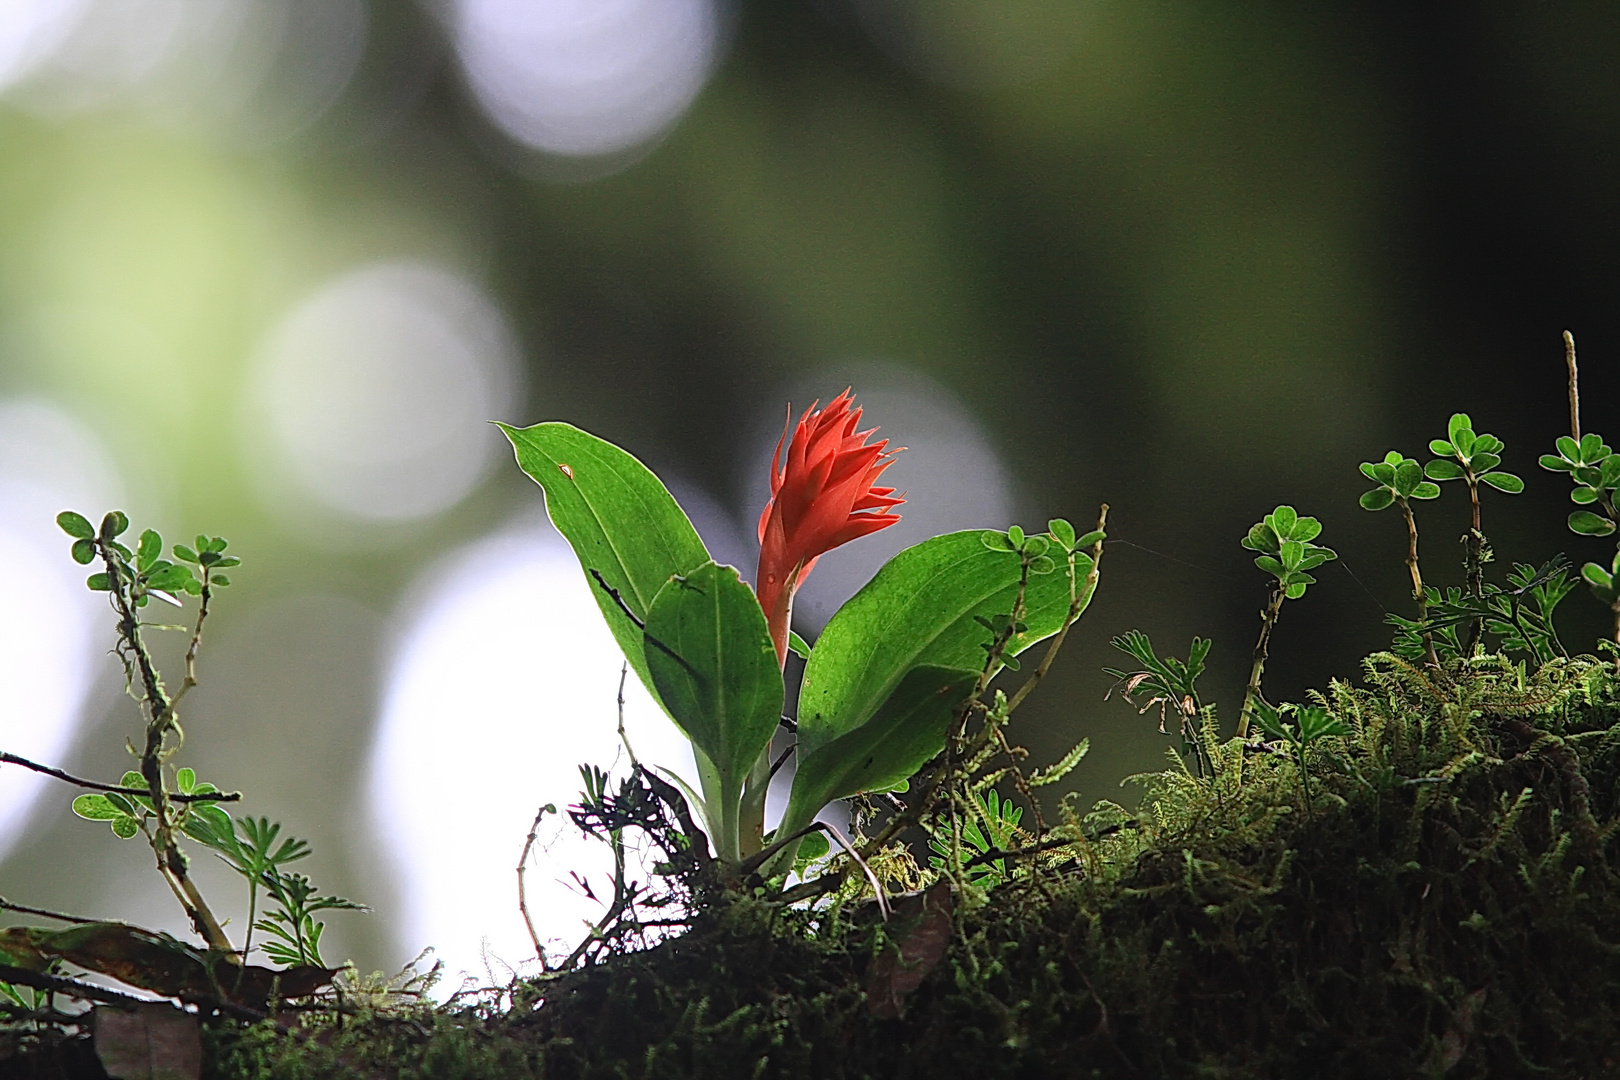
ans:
(824, 495)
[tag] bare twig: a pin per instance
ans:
(522, 869)
(1574, 387)
(216, 797)
(640, 624)
(7, 905)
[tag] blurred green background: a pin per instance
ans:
(265, 266)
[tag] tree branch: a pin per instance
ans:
(217, 797)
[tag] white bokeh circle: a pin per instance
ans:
(372, 397)
(583, 78)
(504, 681)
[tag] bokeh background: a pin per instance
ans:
(266, 267)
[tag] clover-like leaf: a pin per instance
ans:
(1426, 490)
(1379, 498)
(75, 525)
(1503, 482)
(1589, 524)
(1062, 532)
(1443, 469)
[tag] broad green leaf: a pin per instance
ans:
(125, 828)
(1062, 532)
(1377, 499)
(1407, 477)
(1459, 423)
(114, 524)
(1295, 590)
(1426, 490)
(1269, 565)
(1282, 520)
(1503, 481)
(907, 730)
(621, 520)
(920, 610)
(151, 546)
(1370, 471)
(1486, 444)
(84, 551)
(715, 669)
(1571, 449)
(75, 525)
(1592, 449)
(1441, 447)
(186, 780)
(1485, 462)
(99, 582)
(1589, 524)
(1443, 470)
(1592, 572)
(1556, 464)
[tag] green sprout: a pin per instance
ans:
(1473, 458)
(1400, 480)
(1309, 724)
(1168, 683)
(1283, 539)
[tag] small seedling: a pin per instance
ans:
(1297, 727)
(1473, 458)
(1283, 539)
(1400, 480)
(1168, 683)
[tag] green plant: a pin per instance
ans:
(893, 668)
(990, 831)
(1168, 683)
(1298, 727)
(1400, 480)
(1284, 541)
(1472, 458)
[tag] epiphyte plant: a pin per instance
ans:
(146, 802)
(1297, 727)
(892, 668)
(1595, 470)
(1473, 458)
(1168, 683)
(1400, 480)
(1283, 540)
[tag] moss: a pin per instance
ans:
(1447, 905)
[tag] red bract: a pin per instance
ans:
(823, 495)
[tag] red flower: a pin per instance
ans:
(824, 495)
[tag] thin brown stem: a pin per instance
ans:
(92, 785)
(1418, 593)
(1574, 387)
(1078, 598)
(522, 870)
(1268, 621)
(7, 905)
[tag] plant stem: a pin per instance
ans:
(1268, 621)
(161, 719)
(1574, 387)
(1418, 594)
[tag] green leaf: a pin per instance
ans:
(1270, 565)
(1458, 424)
(114, 524)
(1426, 491)
(75, 525)
(1016, 535)
(1592, 448)
(797, 646)
(96, 808)
(622, 522)
(99, 582)
(1261, 538)
(215, 579)
(1589, 524)
(1042, 564)
(125, 828)
(1443, 470)
(1486, 444)
(1483, 463)
(813, 846)
(1377, 499)
(714, 667)
(169, 578)
(1295, 590)
(1282, 522)
(1556, 464)
(150, 547)
(996, 541)
(1408, 477)
(1370, 471)
(84, 551)
(920, 611)
(186, 780)
(1503, 481)
(1583, 495)
(1441, 447)
(1594, 574)
(1570, 449)
(1062, 532)
(185, 554)
(904, 732)
(1095, 536)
